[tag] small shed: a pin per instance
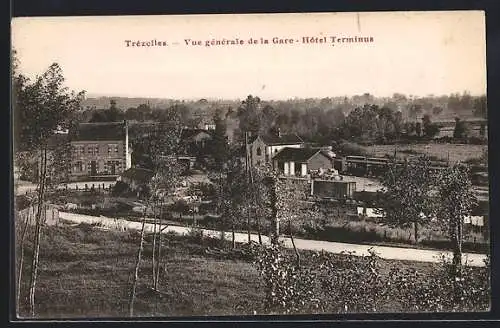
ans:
(333, 189)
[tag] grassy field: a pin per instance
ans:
(456, 152)
(86, 272)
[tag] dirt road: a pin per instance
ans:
(393, 253)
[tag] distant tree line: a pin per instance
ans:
(316, 119)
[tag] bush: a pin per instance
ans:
(120, 188)
(349, 283)
(195, 234)
(352, 284)
(180, 206)
(288, 287)
(446, 290)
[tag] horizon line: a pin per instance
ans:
(92, 95)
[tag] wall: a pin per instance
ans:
(254, 157)
(319, 161)
(334, 189)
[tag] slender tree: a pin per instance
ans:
(456, 200)
(40, 107)
(160, 145)
(292, 204)
(407, 193)
(461, 130)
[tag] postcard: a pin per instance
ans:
(250, 164)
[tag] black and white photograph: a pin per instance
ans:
(250, 165)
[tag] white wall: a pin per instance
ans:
(303, 169)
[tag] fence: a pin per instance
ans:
(89, 187)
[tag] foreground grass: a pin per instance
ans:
(86, 272)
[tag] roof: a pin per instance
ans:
(297, 154)
(138, 174)
(56, 140)
(99, 131)
(284, 139)
(189, 133)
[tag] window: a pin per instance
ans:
(90, 150)
(259, 152)
(112, 148)
(78, 167)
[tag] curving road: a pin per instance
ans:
(391, 253)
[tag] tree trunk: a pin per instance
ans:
(275, 229)
(21, 260)
(222, 234)
(457, 254)
(297, 255)
(38, 228)
(233, 237)
(248, 226)
(158, 258)
(415, 229)
(137, 264)
(258, 229)
(153, 259)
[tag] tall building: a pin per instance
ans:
(100, 150)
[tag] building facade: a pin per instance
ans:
(301, 161)
(261, 149)
(100, 150)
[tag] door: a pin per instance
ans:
(93, 168)
(112, 168)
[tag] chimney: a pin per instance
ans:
(128, 157)
(279, 133)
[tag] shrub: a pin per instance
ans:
(449, 289)
(120, 188)
(352, 283)
(349, 283)
(289, 288)
(195, 234)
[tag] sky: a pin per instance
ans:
(415, 53)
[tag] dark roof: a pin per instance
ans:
(297, 154)
(284, 139)
(189, 133)
(56, 140)
(99, 131)
(138, 174)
